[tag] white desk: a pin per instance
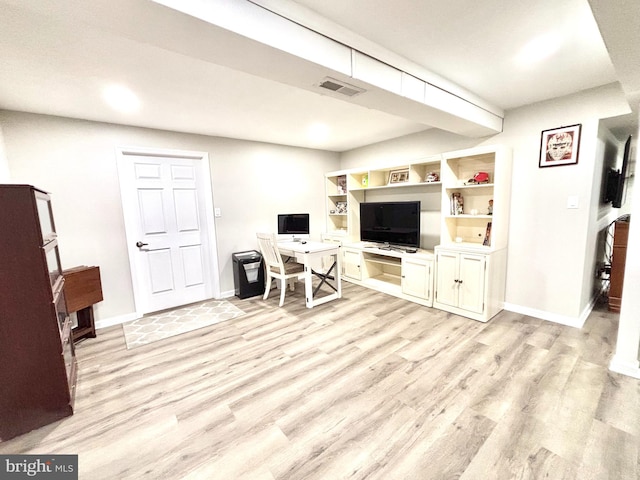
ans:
(305, 253)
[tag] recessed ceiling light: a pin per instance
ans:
(539, 48)
(121, 98)
(318, 132)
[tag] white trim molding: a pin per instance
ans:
(620, 365)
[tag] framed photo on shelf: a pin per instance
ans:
(341, 208)
(560, 146)
(342, 185)
(399, 176)
(487, 236)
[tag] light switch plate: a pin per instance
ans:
(572, 201)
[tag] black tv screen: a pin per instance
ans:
(293, 224)
(395, 223)
(615, 183)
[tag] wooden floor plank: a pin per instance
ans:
(365, 387)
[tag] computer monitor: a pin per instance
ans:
(293, 226)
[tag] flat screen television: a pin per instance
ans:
(293, 224)
(395, 223)
(616, 180)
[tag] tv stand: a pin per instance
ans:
(391, 270)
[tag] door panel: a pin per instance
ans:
(169, 223)
(160, 270)
(192, 265)
(446, 276)
(472, 286)
(351, 262)
(186, 205)
(415, 278)
(152, 215)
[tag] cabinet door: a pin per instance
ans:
(416, 278)
(447, 278)
(471, 282)
(351, 262)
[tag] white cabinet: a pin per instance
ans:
(470, 270)
(460, 281)
(351, 262)
(391, 271)
(471, 258)
(468, 283)
(417, 279)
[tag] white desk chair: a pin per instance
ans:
(275, 267)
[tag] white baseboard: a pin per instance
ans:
(625, 367)
(576, 322)
(117, 320)
(127, 317)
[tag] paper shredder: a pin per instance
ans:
(248, 274)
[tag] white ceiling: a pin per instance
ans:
(57, 57)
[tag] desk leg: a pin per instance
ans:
(308, 283)
(338, 275)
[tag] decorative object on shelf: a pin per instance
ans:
(487, 236)
(457, 204)
(399, 176)
(342, 185)
(332, 212)
(490, 209)
(560, 146)
(432, 177)
(478, 178)
(365, 180)
(341, 208)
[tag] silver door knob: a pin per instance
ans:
(139, 244)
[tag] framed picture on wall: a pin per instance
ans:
(399, 176)
(560, 146)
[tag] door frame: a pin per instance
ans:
(127, 190)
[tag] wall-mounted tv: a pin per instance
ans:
(395, 223)
(615, 185)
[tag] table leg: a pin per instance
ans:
(308, 283)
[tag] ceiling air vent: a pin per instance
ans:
(340, 87)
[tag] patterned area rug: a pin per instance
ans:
(150, 329)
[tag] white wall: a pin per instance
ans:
(75, 160)
(4, 164)
(405, 149)
(627, 355)
(551, 248)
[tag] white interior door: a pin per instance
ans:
(168, 209)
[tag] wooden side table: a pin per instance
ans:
(620, 236)
(82, 290)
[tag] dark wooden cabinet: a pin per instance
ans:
(37, 358)
(618, 261)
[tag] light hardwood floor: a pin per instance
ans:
(366, 387)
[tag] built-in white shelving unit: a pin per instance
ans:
(465, 272)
